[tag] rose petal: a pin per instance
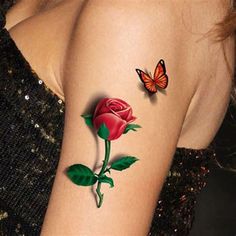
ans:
(131, 119)
(101, 107)
(114, 105)
(117, 104)
(125, 114)
(121, 131)
(115, 124)
(119, 108)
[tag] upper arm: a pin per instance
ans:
(109, 43)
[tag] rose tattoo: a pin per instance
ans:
(112, 118)
(116, 114)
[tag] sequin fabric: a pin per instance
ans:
(174, 213)
(31, 131)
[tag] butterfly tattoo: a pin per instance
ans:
(160, 78)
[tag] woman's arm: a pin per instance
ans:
(111, 40)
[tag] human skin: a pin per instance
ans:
(98, 46)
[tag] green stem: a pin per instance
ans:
(107, 170)
(100, 195)
(105, 162)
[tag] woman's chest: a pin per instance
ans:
(43, 36)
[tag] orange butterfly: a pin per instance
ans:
(160, 78)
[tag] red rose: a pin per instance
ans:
(115, 114)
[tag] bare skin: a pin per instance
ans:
(203, 118)
(70, 39)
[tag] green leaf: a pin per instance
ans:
(81, 175)
(131, 127)
(103, 131)
(123, 163)
(105, 179)
(88, 120)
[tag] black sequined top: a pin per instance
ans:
(31, 131)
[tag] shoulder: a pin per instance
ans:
(110, 40)
(148, 28)
(183, 13)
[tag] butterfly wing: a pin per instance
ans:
(162, 82)
(148, 82)
(160, 76)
